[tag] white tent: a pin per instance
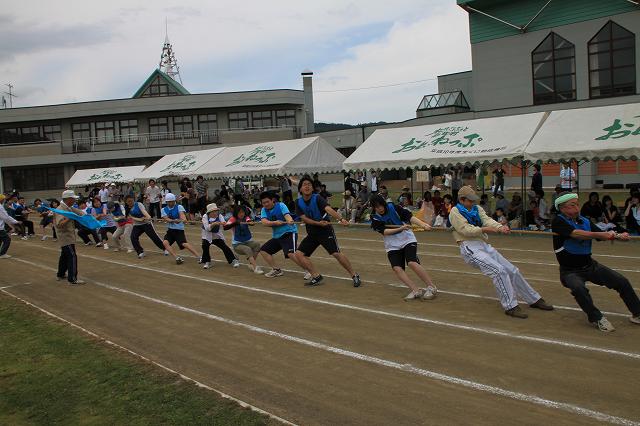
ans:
(478, 141)
(610, 132)
(104, 175)
(279, 158)
(181, 164)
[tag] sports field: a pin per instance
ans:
(335, 354)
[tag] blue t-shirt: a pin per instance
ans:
(277, 213)
(174, 213)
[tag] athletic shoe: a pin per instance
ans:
(76, 282)
(179, 260)
(44, 238)
(5, 256)
(541, 304)
(635, 319)
(115, 250)
(307, 276)
(315, 281)
(199, 261)
(166, 252)
(88, 243)
(55, 239)
(60, 278)
(258, 270)
(235, 263)
(356, 280)
(141, 255)
(207, 265)
(24, 237)
(604, 325)
(100, 244)
(429, 293)
(105, 246)
(413, 295)
(516, 312)
(129, 250)
(274, 273)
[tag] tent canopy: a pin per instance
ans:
(597, 133)
(181, 164)
(104, 175)
(279, 158)
(478, 141)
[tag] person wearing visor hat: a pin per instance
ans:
(572, 246)
(470, 228)
(68, 262)
(175, 215)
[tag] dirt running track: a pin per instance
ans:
(340, 355)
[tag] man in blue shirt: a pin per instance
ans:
(285, 235)
(174, 215)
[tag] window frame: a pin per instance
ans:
(554, 96)
(611, 87)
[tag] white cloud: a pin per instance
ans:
(75, 50)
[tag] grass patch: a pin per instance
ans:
(53, 374)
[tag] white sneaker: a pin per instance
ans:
(24, 237)
(130, 250)
(44, 238)
(413, 295)
(105, 246)
(258, 270)
(88, 243)
(141, 255)
(166, 253)
(635, 319)
(76, 282)
(179, 260)
(199, 260)
(307, 276)
(99, 244)
(235, 263)
(5, 256)
(274, 273)
(604, 325)
(115, 250)
(429, 293)
(207, 265)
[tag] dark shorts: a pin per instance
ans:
(46, 221)
(402, 257)
(326, 239)
(287, 243)
(175, 236)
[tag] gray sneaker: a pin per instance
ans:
(179, 260)
(274, 273)
(635, 319)
(604, 325)
(516, 312)
(429, 293)
(235, 263)
(76, 282)
(413, 295)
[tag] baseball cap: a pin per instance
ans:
(69, 194)
(212, 207)
(468, 193)
(169, 197)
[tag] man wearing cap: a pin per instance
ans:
(470, 227)
(175, 216)
(5, 239)
(68, 262)
(572, 245)
(314, 211)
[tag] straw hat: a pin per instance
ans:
(212, 208)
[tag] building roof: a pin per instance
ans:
(163, 76)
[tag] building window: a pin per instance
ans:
(554, 71)
(128, 128)
(30, 134)
(52, 133)
(183, 124)
(238, 120)
(81, 131)
(261, 119)
(286, 118)
(158, 125)
(8, 136)
(158, 87)
(207, 122)
(105, 131)
(34, 178)
(612, 62)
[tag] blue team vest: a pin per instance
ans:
(573, 245)
(391, 217)
(275, 213)
(242, 233)
(135, 211)
(311, 210)
(172, 213)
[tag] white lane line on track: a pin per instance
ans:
(483, 330)
(408, 368)
(14, 285)
(142, 357)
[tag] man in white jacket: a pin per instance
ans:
(5, 239)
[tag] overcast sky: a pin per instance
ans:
(67, 51)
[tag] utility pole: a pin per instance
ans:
(11, 95)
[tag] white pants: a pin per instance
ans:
(125, 232)
(507, 279)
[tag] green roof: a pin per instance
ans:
(170, 81)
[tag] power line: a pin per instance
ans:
(375, 87)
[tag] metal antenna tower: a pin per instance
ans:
(11, 96)
(168, 61)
